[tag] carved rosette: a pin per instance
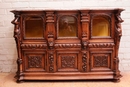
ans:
(34, 61)
(84, 61)
(101, 45)
(67, 45)
(33, 46)
(101, 61)
(51, 62)
(68, 61)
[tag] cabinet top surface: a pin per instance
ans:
(80, 10)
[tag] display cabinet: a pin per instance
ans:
(67, 44)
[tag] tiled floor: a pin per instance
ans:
(7, 80)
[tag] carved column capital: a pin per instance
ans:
(49, 16)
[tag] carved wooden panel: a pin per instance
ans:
(34, 61)
(67, 61)
(101, 60)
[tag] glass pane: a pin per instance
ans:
(67, 27)
(100, 27)
(34, 27)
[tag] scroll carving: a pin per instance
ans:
(100, 61)
(101, 45)
(67, 45)
(33, 46)
(68, 61)
(84, 61)
(51, 62)
(34, 61)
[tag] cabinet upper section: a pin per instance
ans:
(67, 24)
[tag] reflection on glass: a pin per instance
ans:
(67, 27)
(100, 27)
(33, 27)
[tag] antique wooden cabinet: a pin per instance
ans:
(67, 44)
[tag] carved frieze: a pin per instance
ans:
(100, 60)
(33, 46)
(68, 61)
(34, 61)
(67, 45)
(101, 45)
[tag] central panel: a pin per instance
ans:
(68, 61)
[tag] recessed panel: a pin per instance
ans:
(34, 62)
(67, 62)
(101, 61)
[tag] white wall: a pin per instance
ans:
(8, 53)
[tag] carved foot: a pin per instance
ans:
(116, 80)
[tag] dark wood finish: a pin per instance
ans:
(67, 44)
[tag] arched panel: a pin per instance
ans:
(100, 26)
(34, 27)
(67, 26)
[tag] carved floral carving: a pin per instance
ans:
(100, 61)
(68, 61)
(34, 61)
(101, 45)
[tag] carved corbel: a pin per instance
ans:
(50, 40)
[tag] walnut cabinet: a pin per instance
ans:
(67, 44)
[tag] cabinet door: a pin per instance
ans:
(34, 61)
(68, 61)
(101, 61)
(33, 26)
